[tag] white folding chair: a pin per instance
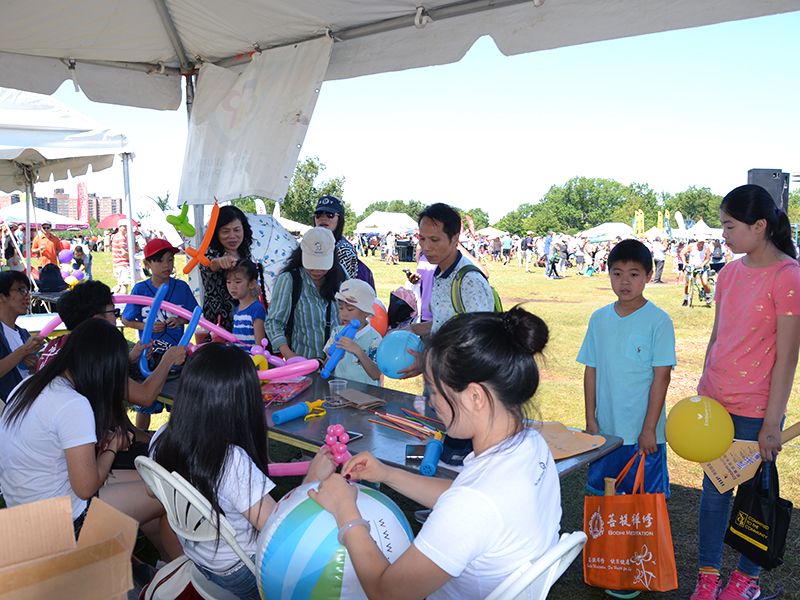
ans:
(190, 515)
(532, 581)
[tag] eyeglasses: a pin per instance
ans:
(45, 226)
(324, 213)
(117, 312)
(23, 291)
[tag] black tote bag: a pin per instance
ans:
(760, 520)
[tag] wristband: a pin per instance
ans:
(109, 450)
(348, 526)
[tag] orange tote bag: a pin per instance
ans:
(629, 544)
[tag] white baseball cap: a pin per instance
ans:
(317, 246)
(357, 293)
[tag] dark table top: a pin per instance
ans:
(386, 444)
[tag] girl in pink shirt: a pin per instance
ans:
(750, 361)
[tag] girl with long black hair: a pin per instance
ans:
(216, 439)
(62, 429)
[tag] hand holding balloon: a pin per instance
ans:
(336, 353)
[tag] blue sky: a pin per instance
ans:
(691, 107)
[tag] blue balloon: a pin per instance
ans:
(393, 355)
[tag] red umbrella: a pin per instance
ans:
(110, 222)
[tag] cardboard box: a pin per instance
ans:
(39, 558)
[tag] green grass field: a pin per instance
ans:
(566, 306)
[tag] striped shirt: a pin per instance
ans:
(119, 248)
(308, 338)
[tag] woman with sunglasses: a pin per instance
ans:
(330, 215)
(18, 348)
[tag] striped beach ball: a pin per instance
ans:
(299, 557)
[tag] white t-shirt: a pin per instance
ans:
(33, 465)
(242, 486)
(503, 510)
(15, 341)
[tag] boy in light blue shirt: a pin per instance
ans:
(629, 352)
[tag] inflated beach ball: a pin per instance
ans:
(393, 355)
(699, 429)
(299, 556)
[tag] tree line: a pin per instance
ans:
(577, 205)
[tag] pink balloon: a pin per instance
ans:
(338, 458)
(331, 430)
(330, 439)
(289, 371)
(338, 429)
(288, 469)
(339, 448)
(344, 438)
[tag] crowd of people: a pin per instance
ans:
(64, 430)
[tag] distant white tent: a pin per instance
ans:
(288, 224)
(610, 230)
(491, 232)
(381, 222)
(700, 231)
(16, 214)
(654, 232)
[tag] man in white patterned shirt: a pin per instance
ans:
(439, 227)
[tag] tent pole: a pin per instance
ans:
(131, 244)
(28, 200)
(198, 212)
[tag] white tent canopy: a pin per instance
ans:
(50, 138)
(16, 214)
(381, 222)
(134, 52)
(491, 232)
(701, 231)
(611, 230)
(40, 139)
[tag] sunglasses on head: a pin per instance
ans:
(324, 213)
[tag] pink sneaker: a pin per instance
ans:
(708, 587)
(740, 587)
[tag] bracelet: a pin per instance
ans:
(348, 526)
(109, 450)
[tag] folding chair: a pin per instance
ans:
(190, 515)
(532, 581)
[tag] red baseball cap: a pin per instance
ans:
(156, 246)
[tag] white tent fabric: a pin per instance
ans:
(129, 51)
(490, 232)
(16, 214)
(382, 222)
(246, 129)
(611, 230)
(41, 138)
(700, 231)
(51, 138)
(654, 232)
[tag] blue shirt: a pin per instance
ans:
(179, 294)
(624, 351)
(243, 323)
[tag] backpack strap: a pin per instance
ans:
(297, 288)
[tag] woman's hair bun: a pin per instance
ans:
(526, 329)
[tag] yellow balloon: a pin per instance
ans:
(261, 362)
(699, 429)
(71, 280)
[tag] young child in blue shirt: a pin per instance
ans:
(248, 321)
(356, 299)
(629, 352)
(159, 258)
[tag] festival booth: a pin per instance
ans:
(382, 223)
(491, 232)
(16, 214)
(40, 139)
(701, 231)
(608, 231)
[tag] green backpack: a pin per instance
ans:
(455, 291)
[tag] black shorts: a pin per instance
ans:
(681, 267)
(506, 251)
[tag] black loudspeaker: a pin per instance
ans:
(775, 181)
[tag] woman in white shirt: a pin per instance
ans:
(503, 509)
(62, 429)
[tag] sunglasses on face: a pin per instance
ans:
(47, 227)
(117, 312)
(324, 213)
